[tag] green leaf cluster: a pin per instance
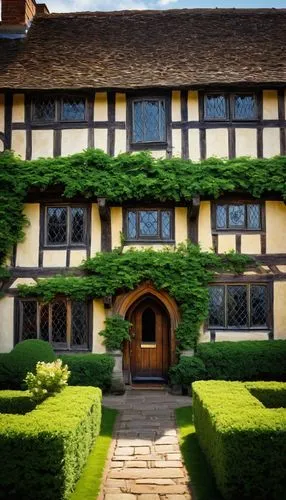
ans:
(184, 272)
(116, 332)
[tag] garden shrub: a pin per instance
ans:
(187, 371)
(90, 369)
(18, 402)
(243, 441)
(49, 379)
(116, 332)
(271, 396)
(245, 360)
(44, 451)
(23, 359)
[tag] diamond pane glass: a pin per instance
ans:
(217, 306)
(149, 119)
(56, 225)
(244, 107)
(59, 322)
(77, 225)
(215, 107)
(237, 306)
(131, 225)
(166, 225)
(79, 324)
(221, 216)
(148, 223)
(73, 109)
(44, 109)
(253, 217)
(258, 305)
(29, 320)
(236, 215)
(44, 322)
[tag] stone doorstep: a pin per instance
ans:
(146, 473)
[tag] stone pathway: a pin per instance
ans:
(145, 461)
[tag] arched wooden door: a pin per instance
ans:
(149, 346)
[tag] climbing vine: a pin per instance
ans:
(184, 273)
(127, 177)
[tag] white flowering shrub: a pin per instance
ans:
(49, 379)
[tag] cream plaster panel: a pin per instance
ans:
(42, 143)
(226, 242)
(6, 324)
(251, 243)
(2, 112)
(100, 107)
(28, 250)
(100, 139)
(282, 269)
(275, 227)
(279, 310)
(176, 106)
(116, 226)
(181, 228)
(76, 257)
(158, 154)
(120, 142)
(19, 142)
(271, 142)
(98, 325)
(235, 336)
(246, 142)
(95, 244)
(1, 146)
(120, 107)
(194, 145)
(217, 142)
(74, 141)
(250, 273)
(23, 281)
(54, 258)
(18, 111)
(177, 142)
(205, 230)
(270, 105)
(193, 105)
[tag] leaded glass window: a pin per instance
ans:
(73, 109)
(238, 306)
(149, 224)
(149, 326)
(62, 322)
(245, 107)
(44, 109)
(65, 226)
(149, 121)
(215, 107)
(238, 216)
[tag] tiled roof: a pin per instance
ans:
(135, 49)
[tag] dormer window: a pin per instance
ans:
(148, 121)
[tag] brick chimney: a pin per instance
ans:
(18, 12)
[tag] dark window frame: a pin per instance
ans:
(249, 327)
(147, 239)
(45, 245)
(230, 107)
(238, 229)
(59, 346)
(58, 99)
(151, 145)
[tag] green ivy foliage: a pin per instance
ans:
(116, 332)
(128, 177)
(184, 273)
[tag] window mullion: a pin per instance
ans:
(69, 324)
(225, 306)
(51, 323)
(159, 230)
(68, 232)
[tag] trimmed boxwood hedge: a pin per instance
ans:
(90, 369)
(44, 451)
(245, 360)
(271, 395)
(243, 441)
(18, 402)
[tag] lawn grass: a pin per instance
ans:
(88, 485)
(200, 474)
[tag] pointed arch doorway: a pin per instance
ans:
(154, 316)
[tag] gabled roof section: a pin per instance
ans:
(137, 49)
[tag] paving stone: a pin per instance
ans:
(136, 464)
(141, 450)
(124, 451)
(137, 489)
(148, 497)
(115, 483)
(167, 440)
(124, 442)
(179, 497)
(120, 496)
(167, 463)
(112, 490)
(173, 456)
(116, 465)
(138, 457)
(145, 473)
(154, 481)
(166, 448)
